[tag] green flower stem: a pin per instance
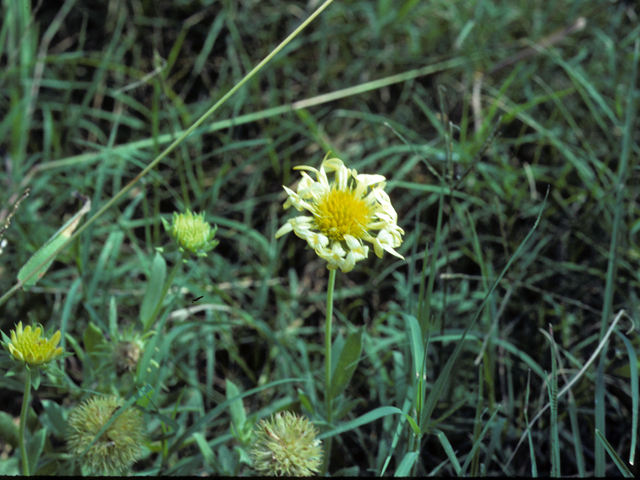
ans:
(167, 285)
(327, 361)
(23, 422)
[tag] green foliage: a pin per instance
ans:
(507, 133)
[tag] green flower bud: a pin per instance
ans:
(286, 445)
(192, 233)
(117, 448)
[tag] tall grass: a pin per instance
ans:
(507, 134)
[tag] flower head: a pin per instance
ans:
(286, 445)
(345, 213)
(118, 447)
(30, 347)
(191, 232)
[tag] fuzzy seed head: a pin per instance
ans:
(125, 356)
(286, 445)
(117, 448)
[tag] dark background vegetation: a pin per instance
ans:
(85, 115)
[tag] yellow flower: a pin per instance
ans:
(345, 213)
(30, 347)
(286, 445)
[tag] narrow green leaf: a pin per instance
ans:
(153, 295)
(415, 344)
(577, 441)
(347, 362)
(93, 338)
(205, 449)
(368, 418)
(238, 414)
(57, 417)
(616, 459)
(477, 443)
(39, 263)
(305, 401)
(532, 451)
(145, 399)
(113, 319)
(552, 387)
(448, 449)
(68, 309)
(336, 351)
(633, 378)
(477, 423)
(404, 469)
(35, 446)
(8, 429)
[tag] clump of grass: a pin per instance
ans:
(474, 113)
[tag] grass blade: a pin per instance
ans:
(616, 459)
(633, 376)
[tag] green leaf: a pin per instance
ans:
(238, 415)
(336, 350)
(347, 362)
(478, 443)
(35, 378)
(56, 416)
(369, 417)
(448, 449)
(35, 447)
(305, 401)
(39, 263)
(404, 469)
(205, 449)
(153, 295)
(113, 319)
(93, 338)
(8, 430)
(633, 377)
(145, 399)
(624, 470)
(416, 344)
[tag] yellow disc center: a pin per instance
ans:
(341, 213)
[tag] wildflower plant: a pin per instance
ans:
(345, 213)
(286, 444)
(31, 349)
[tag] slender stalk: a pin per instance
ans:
(327, 366)
(23, 422)
(327, 341)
